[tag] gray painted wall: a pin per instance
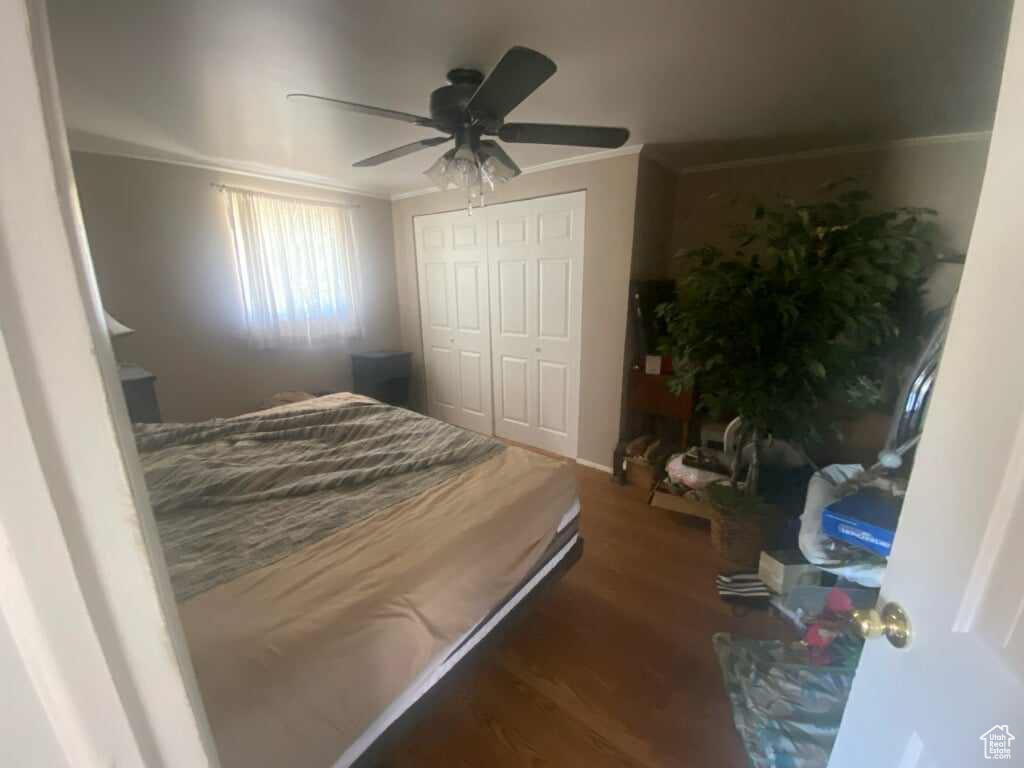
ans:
(161, 245)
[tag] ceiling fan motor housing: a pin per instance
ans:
(448, 103)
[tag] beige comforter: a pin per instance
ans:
(297, 658)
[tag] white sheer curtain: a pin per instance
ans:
(297, 266)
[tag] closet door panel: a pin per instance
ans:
(514, 384)
(471, 377)
(535, 248)
(455, 318)
(510, 249)
(511, 298)
(467, 296)
(472, 331)
(554, 284)
(436, 306)
(553, 397)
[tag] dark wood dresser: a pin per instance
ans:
(140, 394)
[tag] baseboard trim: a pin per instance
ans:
(594, 465)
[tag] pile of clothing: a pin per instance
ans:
(744, 588)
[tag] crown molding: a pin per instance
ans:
(848, 149)
(329, 184)
(632, 149)
(590, 157)
(226, 167)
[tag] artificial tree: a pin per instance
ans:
(810, 304)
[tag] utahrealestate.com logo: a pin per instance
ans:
(997, 742)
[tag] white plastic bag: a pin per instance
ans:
(822, 491)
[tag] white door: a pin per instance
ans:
(452, 262)
(956, 566)
(535, 249)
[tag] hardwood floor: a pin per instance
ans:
(611, 665)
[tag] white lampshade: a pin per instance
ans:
(495, 164)
(115, 328)
(438, 172)
(474, 170)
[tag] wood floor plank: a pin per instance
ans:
(611, 665)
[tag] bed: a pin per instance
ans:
(334, 558)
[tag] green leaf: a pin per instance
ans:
(814, 297)
(713, 361)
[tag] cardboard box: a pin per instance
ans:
(783, 569)
(670, 501)
(639, 477)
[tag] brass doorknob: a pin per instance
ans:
(892, 622)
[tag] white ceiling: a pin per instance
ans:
(704, 81)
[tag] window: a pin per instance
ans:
(297, 267)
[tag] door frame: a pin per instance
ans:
(84, 590)
(578, 321)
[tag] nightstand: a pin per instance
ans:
(383, 376)
(139, 394)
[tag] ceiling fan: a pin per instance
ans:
(471, 107)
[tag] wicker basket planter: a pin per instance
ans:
(739, 536)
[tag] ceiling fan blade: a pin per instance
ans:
(496, 149)
(365, 109)
(571, 135)
(520, 72)
(405, 149)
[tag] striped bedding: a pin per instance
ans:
(233, 495)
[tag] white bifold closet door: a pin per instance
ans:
(535, 250)
(500, 306)
(452, 261)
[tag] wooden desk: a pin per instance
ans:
(649, 394)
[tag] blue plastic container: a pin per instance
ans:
(866, 519)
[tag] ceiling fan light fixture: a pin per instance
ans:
(464, 171)
(438, 172)
(493, 162)
(463, 168)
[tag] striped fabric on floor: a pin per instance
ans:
(742, 586)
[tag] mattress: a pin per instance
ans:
(305, 657)
(566, 539)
